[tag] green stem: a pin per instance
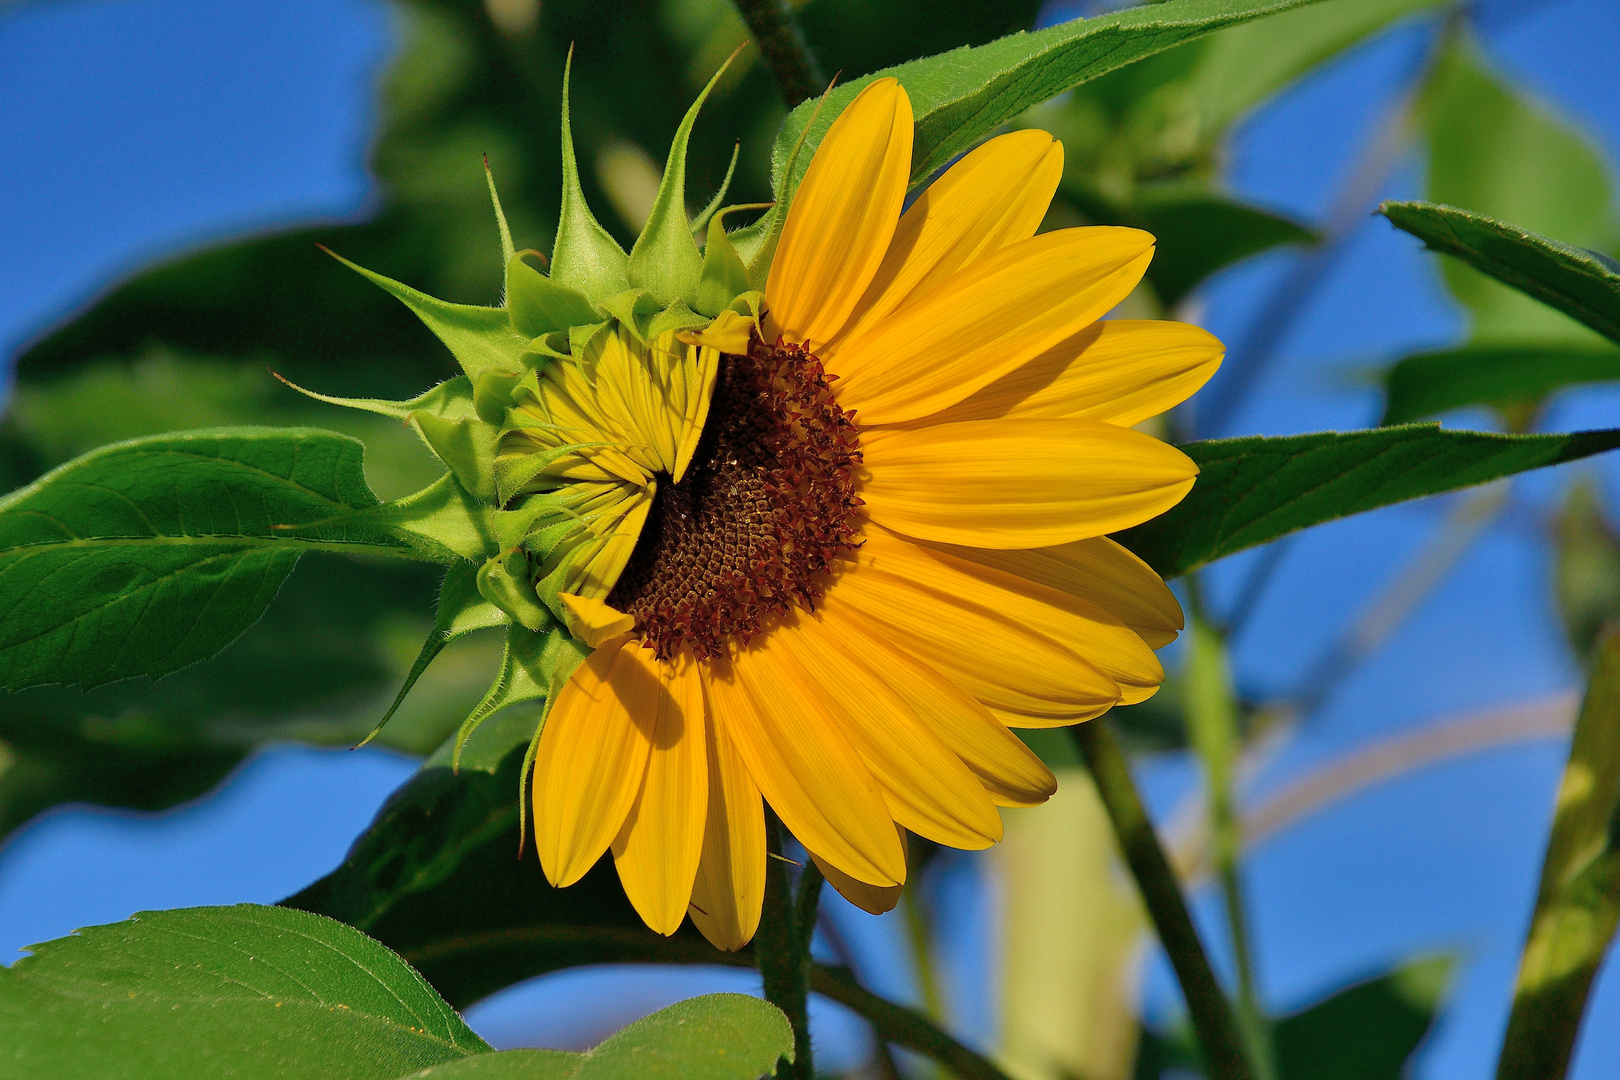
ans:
(1212, 722)
(1578, 902)
(782, 950)
(782, 44)
(1211, 1013)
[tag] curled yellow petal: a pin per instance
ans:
(872, 899)
(593, 620)
(729, 332)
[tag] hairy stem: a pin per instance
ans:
(782, 44)
(1211, 1013)
(782, 949)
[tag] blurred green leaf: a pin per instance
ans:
(1366, 1032)
(146, 556)
(1253, 490)
(1586, 568)
(1496, 154)
(1200, 231)
(1511, 377)
(713, 1037)
(240, 992)
(1578, 901)
(1584, 285)
(960, 96)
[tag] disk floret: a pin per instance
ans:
(763, 516)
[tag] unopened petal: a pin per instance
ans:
(873, 899)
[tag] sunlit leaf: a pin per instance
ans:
(1253, 490)
(145, 556)
(244, 992)
(1585, 285)
(962, 95)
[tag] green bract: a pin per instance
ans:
(511, 548)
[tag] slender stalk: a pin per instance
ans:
(1213, 724)
(1578, 902)
(782, 44)
(782, 950)
(1211, 1013)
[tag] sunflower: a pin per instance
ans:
(886, 547)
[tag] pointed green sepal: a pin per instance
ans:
(535, 667)
(539, 305)
(675, 317)
(467, 446)
(504, 581)
(724, 276)
(492, 395)
(462, 609)
(585, 257)
(634, 308)
(580, 337)
(480, 338)
(701, 222)
(500, 215)
(444, 520)
(665, 260)
(756, 243)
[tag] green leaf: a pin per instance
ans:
(1253, 490)
(1201, 231)
(962, 95)
(480, 338)
(1509, 377)
(1366, 1032)
(1584, 285)
(1578, 901)
(1495, 153)
(539, 305)
(713, 1037)
(145, 556)
(243, 992)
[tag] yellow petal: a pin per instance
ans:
(986, 320)
(657, 849)
(1008, 769)
(995, 196)
(843, 215)
(1098, 570)
(1096, 636)
(925, 786)
(593, 620)
(873, 899)
(729, 332)
(994, 657)
(1019, 483)
(592, 757)
(804, 766)
(1120, 372)
(730, 886)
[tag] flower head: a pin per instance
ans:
(876, 543)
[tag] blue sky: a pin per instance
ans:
(130, 129)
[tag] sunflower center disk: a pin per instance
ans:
(765, 511)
